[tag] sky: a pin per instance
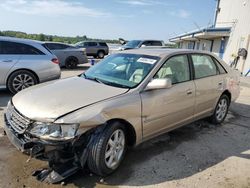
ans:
(107, 19)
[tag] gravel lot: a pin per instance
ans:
(197, 155)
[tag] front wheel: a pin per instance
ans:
(107, 150)
(221, 110)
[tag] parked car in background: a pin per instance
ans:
(95, 49)
(69, 56)
(125, 99)
(133, 44)
(24, 63)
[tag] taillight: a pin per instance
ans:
(55, 60)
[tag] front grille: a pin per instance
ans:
(18, 122)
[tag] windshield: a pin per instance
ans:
(132, 43)
(122, 70)
(78, 44)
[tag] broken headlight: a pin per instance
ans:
(51, 131)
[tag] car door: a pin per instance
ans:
(209, 84)
(165, 109)
(92, 48)
(8, 58)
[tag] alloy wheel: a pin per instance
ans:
(114, 149)
(22, 81)
(221, 110)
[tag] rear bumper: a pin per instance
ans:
(84, 59)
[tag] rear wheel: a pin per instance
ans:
(71, 63)
(107, 150)
(100, 54)
(20, 80)
(221, 110)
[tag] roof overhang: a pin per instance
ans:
(206, 34)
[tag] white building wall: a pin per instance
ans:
(236, 14)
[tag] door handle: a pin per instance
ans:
(189, 92)
(7, 61)
(220, 83)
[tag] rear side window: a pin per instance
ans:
(18, 48)
(46, 47)
(103, 44)
(204, 66)
(222, 70)
(55, 46)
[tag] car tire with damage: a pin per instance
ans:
(110, 143)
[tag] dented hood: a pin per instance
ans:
(48, 101)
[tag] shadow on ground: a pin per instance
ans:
(83, 67)
(5, 96)
(180, 153)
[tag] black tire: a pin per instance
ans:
(14, 80)
(71, 63)
(216, 118)
(100, 54)
(96, 157)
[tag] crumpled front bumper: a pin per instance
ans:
(33, 146)
(62, 156)
(21, 142)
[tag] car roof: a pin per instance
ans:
(93, 41)
(143, 40)
(14, 39)
(51, 42)
(161, 52)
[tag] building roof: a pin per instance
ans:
(205, 33)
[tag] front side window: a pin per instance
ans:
(156, 43)
(13, 48)
(92, 44)
(79, 44)
(204, 66)
(176, 68)
(122, 70)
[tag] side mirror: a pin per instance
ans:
(143, 46)
(159, 84)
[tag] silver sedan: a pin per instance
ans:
(124, 100)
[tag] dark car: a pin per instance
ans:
(96, 49)
(141, 43)
(69, 56)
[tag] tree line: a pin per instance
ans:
(54, 38)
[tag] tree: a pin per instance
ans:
(41, 37)
(50, 38)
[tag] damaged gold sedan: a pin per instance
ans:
(129, 97)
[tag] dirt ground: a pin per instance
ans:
(197, 155)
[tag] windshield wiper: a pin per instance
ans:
(105, 82)
(92, 78)
(116, 85)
